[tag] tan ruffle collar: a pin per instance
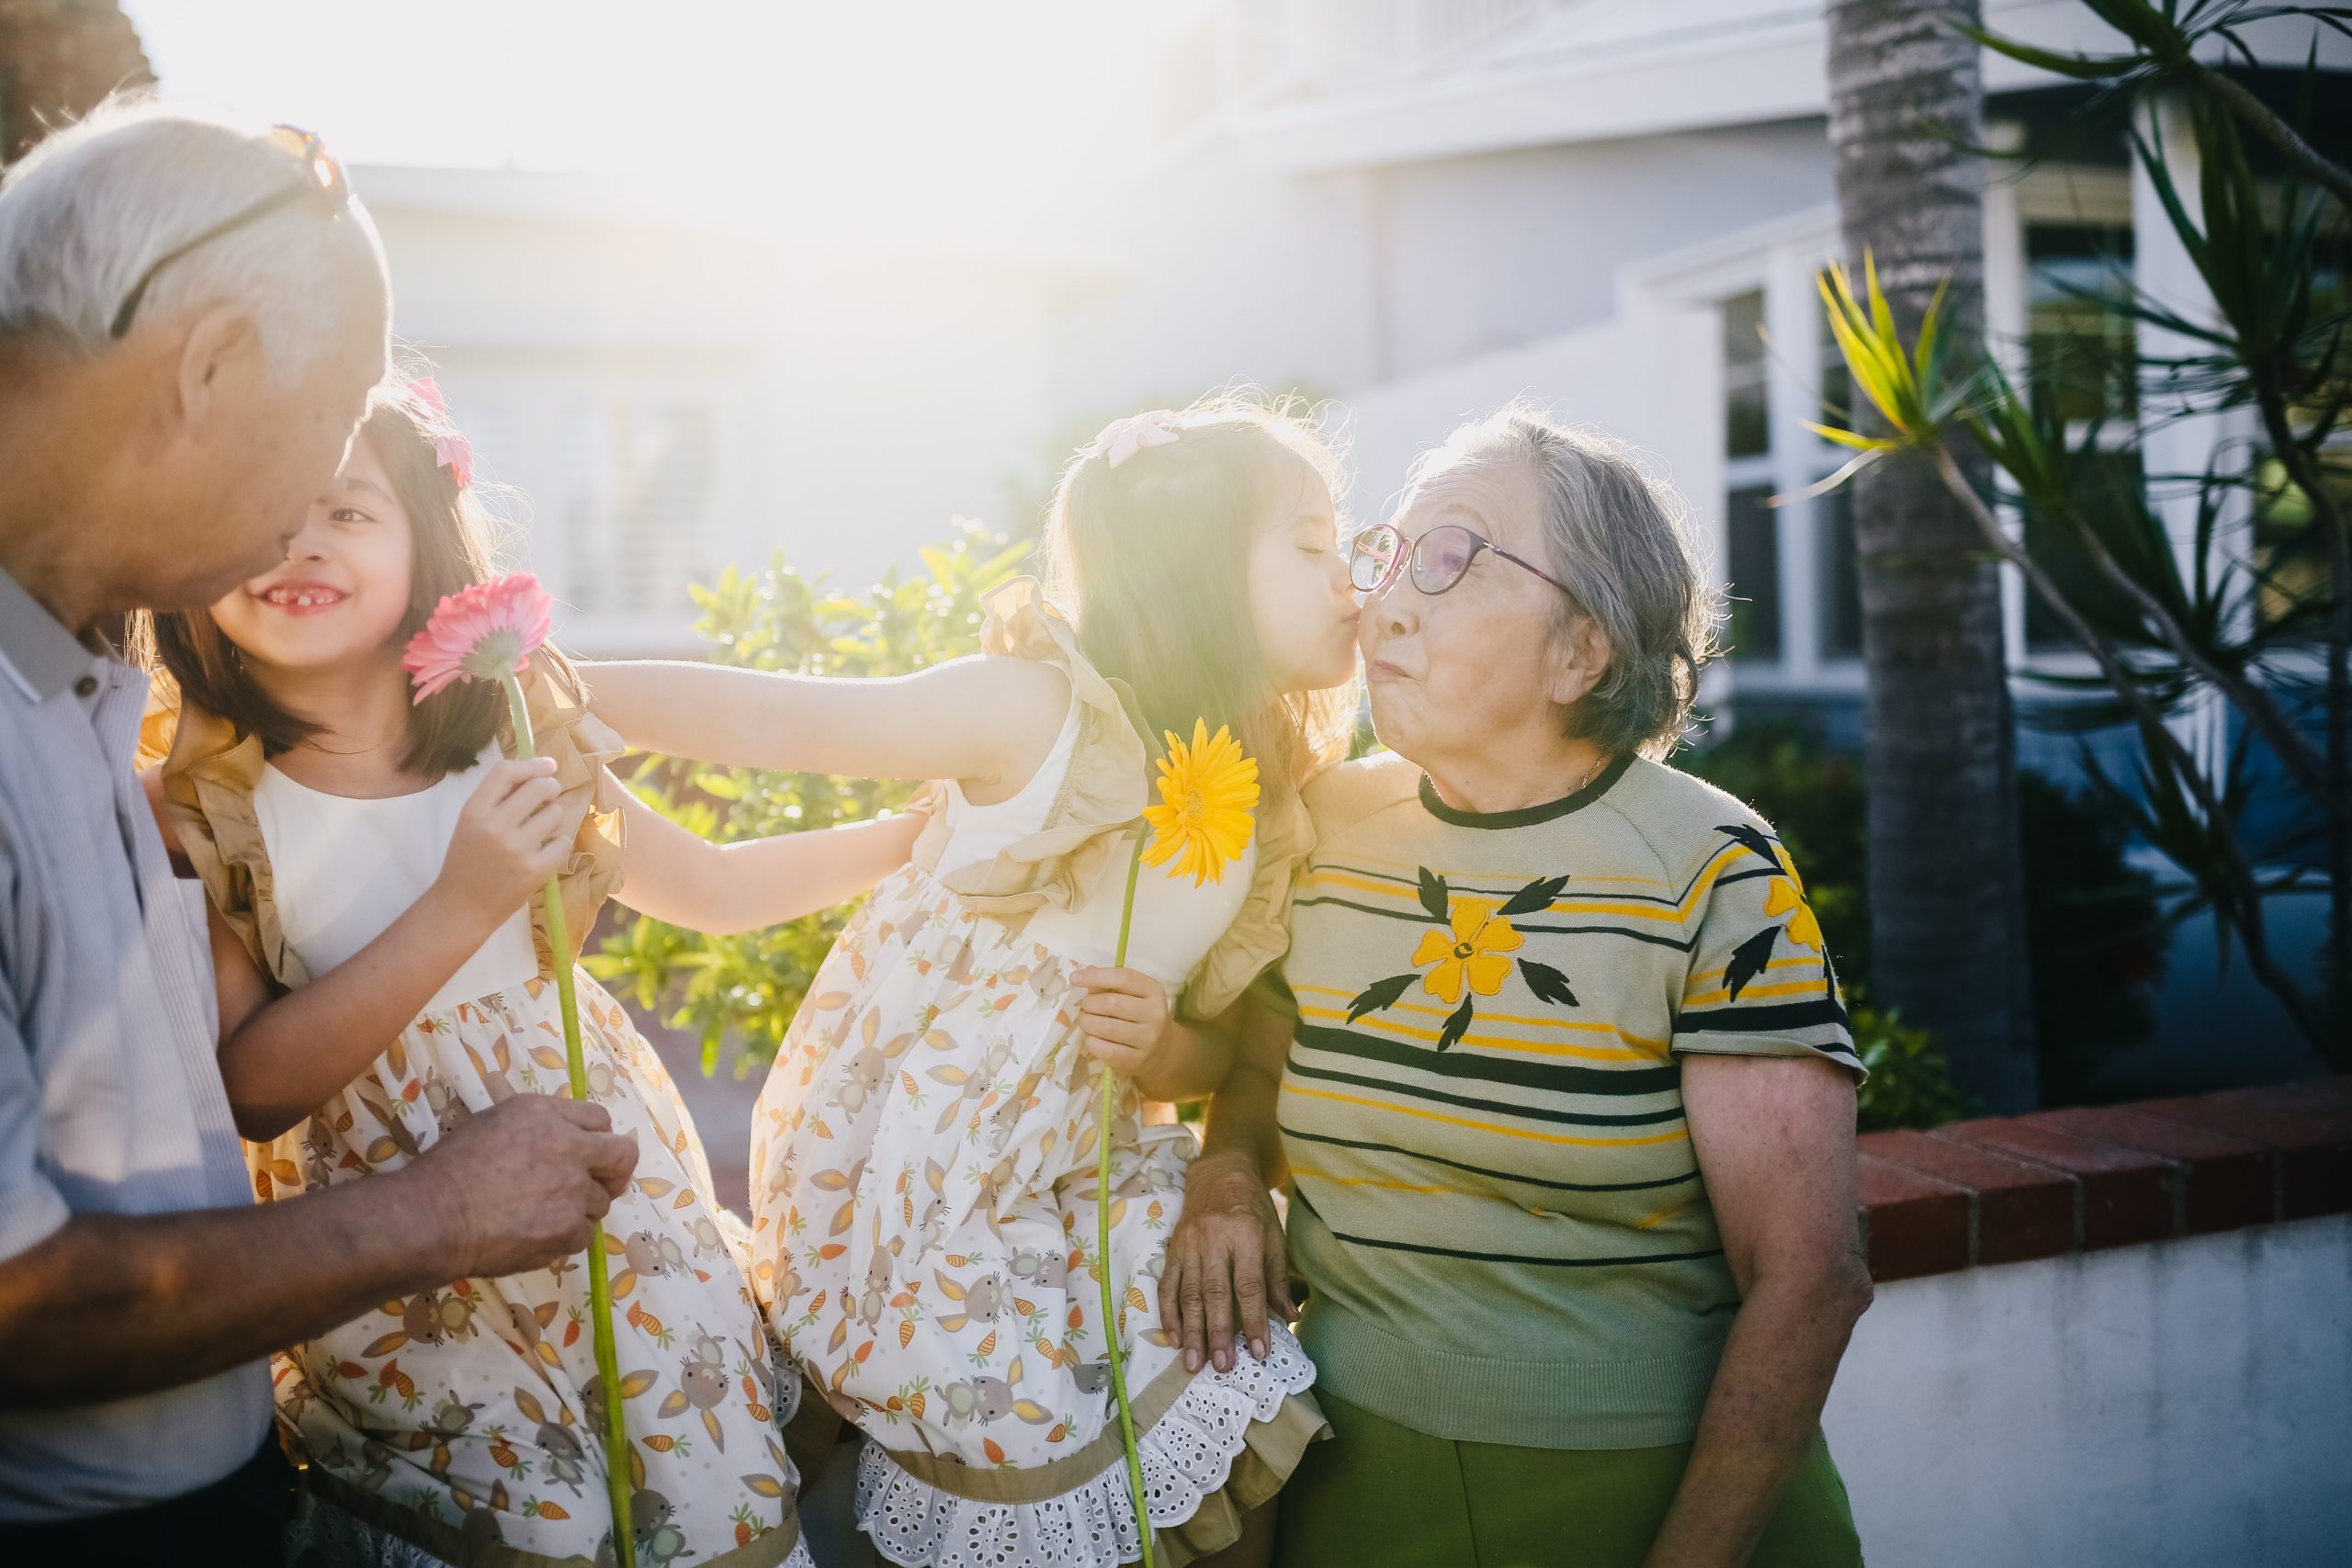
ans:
(1102, 800)
(209, 773)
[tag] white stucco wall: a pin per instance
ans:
(2182, 1405)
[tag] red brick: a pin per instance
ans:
(1915, 1224)
(2226, 1179)
(2313, 1143)
(2018, 1211)
(2127, 1193)
(2324, 1097)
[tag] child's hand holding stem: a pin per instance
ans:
(513, 834)
(1129, 1027)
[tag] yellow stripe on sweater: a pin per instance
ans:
(1641, 1046)
(1634, 1052)
(1652, 1138)
(1749, 993)
(1560, 907)
(1674, 913)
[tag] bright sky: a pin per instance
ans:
(864, 107)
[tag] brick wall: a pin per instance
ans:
(2108, 1337)
(58, 58)
(2079, 1180)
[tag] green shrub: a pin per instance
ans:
(739, 993)
(1910, 1082)
(2094, 939)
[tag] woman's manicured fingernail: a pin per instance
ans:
(1258, 1348)
(1191, 1360)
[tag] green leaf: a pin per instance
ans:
(1434, 896)
(1536, 895)
(1548, 983)
(1458, 1024)
(2081, 67)
(1849, 438)
(1378, 995)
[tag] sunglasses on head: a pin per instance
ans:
(1440, 557)
(320, 183)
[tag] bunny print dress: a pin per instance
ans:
(462, 1425)
(923, 1175)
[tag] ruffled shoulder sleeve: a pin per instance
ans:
(582, 746)
(1102, 793)
(209, 774)
(1259, 935)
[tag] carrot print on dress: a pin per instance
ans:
(467, 1419)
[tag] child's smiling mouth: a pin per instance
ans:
(301, 598)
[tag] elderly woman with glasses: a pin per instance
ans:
(1557, 1071)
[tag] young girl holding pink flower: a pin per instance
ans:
(926, 1228)
(368, 860)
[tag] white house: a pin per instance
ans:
(1425, 207)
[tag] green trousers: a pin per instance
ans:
(1380, 1495)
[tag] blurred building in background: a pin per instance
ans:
(664, 387)
(1426, 208)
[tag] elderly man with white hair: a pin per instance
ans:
(191, 317)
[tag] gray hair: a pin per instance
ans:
(1621, 539)
(87, 211)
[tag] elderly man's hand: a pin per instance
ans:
(523, 1183)
(1224, 1261)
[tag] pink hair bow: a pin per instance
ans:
(1123, 438)
(450, 449)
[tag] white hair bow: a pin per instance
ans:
(1123, 438)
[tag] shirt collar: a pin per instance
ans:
(36, 649)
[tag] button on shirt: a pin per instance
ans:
(110, 1098)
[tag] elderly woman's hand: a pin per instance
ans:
(1224, 1261)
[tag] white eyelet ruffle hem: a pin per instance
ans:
(1187, 1457)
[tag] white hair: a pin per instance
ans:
(1621, 538)
(89, 210)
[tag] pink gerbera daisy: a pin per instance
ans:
(480, 633)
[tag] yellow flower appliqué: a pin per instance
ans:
(1207, 791)
(1472, 951)
(1787, 893)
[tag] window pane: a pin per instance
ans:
(2082, 349)
(1836, 390)
(2289, 557)
(2107, 490)
(1752, 543)
(1841, 598)
(1745, 433)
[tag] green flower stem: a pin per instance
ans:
(600, 1284)
(1103, 1236)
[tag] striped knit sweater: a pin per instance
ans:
(1495, 1203)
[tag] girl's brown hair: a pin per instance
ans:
(1151, 560)
(449, 549)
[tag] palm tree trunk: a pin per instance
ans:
(1946, 888)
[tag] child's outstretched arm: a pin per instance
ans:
(675, 876)
(283, 1057)
(989, 722)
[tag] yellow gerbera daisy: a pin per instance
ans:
(1207, 791)
(1470, 952)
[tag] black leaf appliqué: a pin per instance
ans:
(1378, 995)
(1535, 897)
(1548, 983)
(1749, 959)
(1435, 896)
